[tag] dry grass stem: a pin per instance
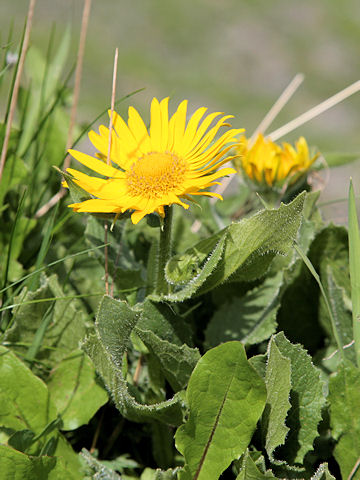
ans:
(353, 471)
(113, 93)
(106, 254)
(288, 127)
(264, 124)
(15, 91)
(278, 105)
(137, 371)
(78, 73)
(315, 111)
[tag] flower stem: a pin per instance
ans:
(162, 286)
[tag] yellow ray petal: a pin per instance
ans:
(155, 126)
(205, 124)
(164, 114)
(101, 143)
(200, 158)
(207, 139)
(90, 184)
(127, 140)
(209, 178)
(191, 128)
(137, 216)
(96, 165)
(139, 130)
(179, 127)
(208, 194)
(96, 206)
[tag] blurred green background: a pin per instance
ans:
(235, 56)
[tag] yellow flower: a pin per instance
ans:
(152, 169)
(270, 165)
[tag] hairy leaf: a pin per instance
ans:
(322, 473)
(250, 319)
(209, 263)
(115, 322)
(344, 398)
(164, 334)
(249, 247)
(278, 385)
(249, 470)
(307, 400)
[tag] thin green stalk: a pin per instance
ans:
(310, 266)
(45, 244)
(7, 111)
(50, 265)
(12, 235)
(39, 335)
(354, 260)
(162, 286)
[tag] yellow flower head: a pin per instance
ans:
(270, 165)
(152, 169)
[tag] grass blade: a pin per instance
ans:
(25, 277)
(313, 272)
(354, 260)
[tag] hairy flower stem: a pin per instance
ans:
(162, 286)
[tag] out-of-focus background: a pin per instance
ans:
(235, 56)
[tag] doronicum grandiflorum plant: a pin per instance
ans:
(273, 169)
(147, 172)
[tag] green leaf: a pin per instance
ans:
(115, 323)
(164, 334)
(307, 400)
(177, 362)
(97, 468)
(322, 473)
(250, 319)
(77, 193)
(344, 399)
(162, 444)
(25, 404)
(226, 397)
(278, 385)
(249, 470)
(15, 465)
(249, 248)
(24, 398)
(255, 240)
(21, 440)
(64, 331)
(150, 474)
(125, 271)
(75, 391)
(180, 274)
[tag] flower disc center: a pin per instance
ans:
(155, 174)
